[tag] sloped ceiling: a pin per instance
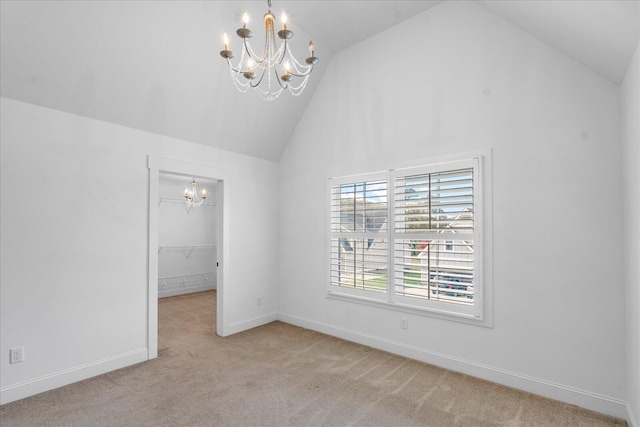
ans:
(600, 34)
(154, 65)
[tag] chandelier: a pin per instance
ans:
(191, 196)
(276, 66)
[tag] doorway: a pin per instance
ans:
(186, 236)
(208, 270)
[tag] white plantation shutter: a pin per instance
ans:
(434, 225)
(359, 235)
(418, 244)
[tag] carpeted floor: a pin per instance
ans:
(281, 375)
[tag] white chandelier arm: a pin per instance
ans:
(237, 69)
(239, 84)
(277, 78)
(258, 59)
(298, 72)
(283, 86)
(264, 70)
(302, 70)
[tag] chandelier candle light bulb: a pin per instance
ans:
(311, 60)
(287, 77)
(270, 63)
(226, 53)
(284, 33)
(249, 74)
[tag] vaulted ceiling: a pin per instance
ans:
(154, 65)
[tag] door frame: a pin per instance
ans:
(157, 165)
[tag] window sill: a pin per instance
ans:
(411, 309)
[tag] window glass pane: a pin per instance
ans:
(360, 207)
(359, 263)
(440, 270)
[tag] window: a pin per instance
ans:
(359, 242)
(410, 238)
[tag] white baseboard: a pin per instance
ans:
(567, 394)
(182, 290)
(62, 378)
(244, 325)
(632, 421)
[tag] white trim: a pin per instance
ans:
(152, 261)
(156, 165)
(361, 177)
(254, 322)
(443, 314)
(200, 287)
(434, 166)
(364, 296)
(632, 421)
(585, 399)
(58, 379)
(439, 161)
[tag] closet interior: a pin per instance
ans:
(186, 237)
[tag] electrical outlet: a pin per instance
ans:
(16, 355)
(259, 300)
(404, 323)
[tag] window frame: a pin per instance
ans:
(478, 313)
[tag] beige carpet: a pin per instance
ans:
(282, 375)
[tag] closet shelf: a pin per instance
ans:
(177, 200)
(189, 248)
(204, 277)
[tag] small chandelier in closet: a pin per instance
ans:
(191, 196)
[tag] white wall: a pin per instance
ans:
(74, 232)
(186, 238)
(631, 154)
(455, 79)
